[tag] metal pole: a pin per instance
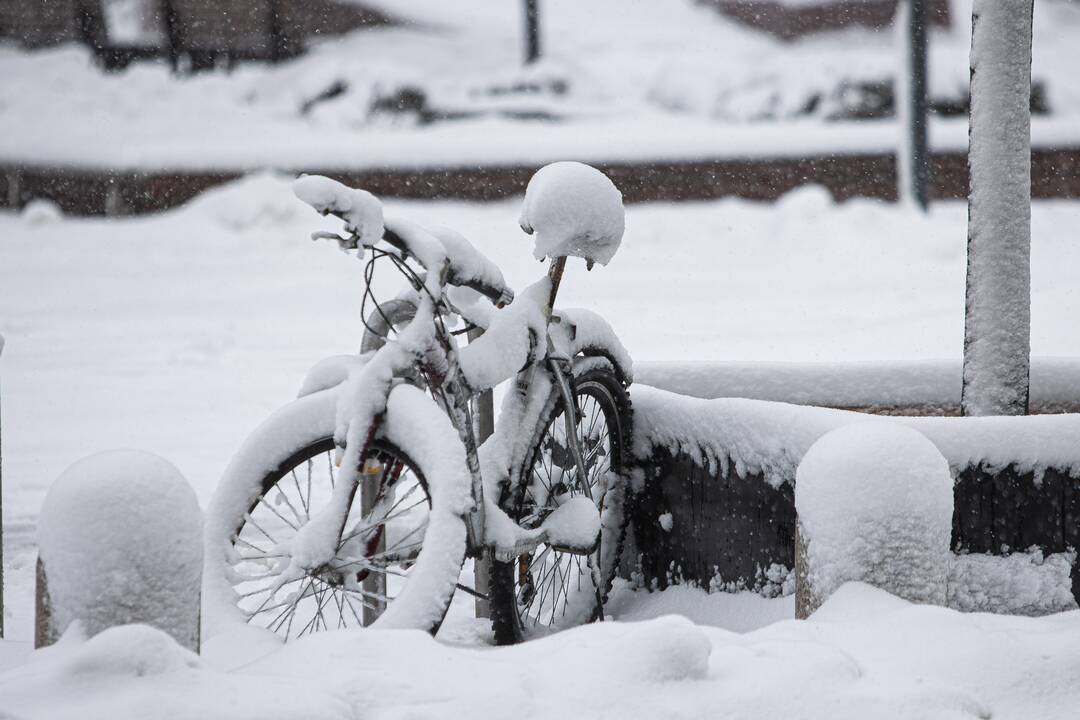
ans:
(1, 514)
(485, 421)
(532, 31)
(920, 170)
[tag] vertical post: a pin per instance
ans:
(909, 101)
(374, 584)
(532, 31)
(920, 170)
(485, 421)
(1, 513)
(997, 320)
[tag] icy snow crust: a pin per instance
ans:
(573, 210)
(863, 654)
(119, 536)
(875, 504)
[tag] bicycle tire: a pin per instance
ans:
(374, 579)
(515, 617)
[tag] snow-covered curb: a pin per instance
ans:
(770, 438)
(922, 387)
(725, 469)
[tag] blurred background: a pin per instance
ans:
(676, 99)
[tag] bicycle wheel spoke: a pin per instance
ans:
(317, 616)
(300, 494)
(362, 597)
(382, 521)
(296, 601)
(345, 598)
(284, 496)
(403, 539)
(249, 544)
(310, 465)
(273, 509)
(340, 608)
(248, 518)
(267, 588)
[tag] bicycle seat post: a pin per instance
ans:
(555, 273)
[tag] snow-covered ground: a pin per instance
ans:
(666, 79)
(865, 654)
(178, 333)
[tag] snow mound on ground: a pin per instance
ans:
(136, 671)
(574, 210)
(875, 504)
(864, 654)
(258, 201)
(130, 651)
(120, 540)
(42, 212)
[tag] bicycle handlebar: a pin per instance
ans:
(452, 255)
(499, 294)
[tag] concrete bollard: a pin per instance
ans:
(874, 503)
(119, 541)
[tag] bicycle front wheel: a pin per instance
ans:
(397, 561)
(551, 589)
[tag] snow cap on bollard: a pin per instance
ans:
(874, 502)
(120, 541)
(575, 210)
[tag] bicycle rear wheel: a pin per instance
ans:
(551, 589)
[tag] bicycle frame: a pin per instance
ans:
(425, 344)
(460, 413)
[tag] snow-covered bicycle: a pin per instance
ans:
(357, 503)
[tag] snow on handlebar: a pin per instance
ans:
(440, 251)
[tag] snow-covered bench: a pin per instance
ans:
(717, 501)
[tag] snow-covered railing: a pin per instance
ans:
(717, 504)
(920, 387)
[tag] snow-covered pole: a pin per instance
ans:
(1, 515)
(532, 31)
(119, 542)
(997, 322)
(912, 156)
(874, 502)
(485, 426)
